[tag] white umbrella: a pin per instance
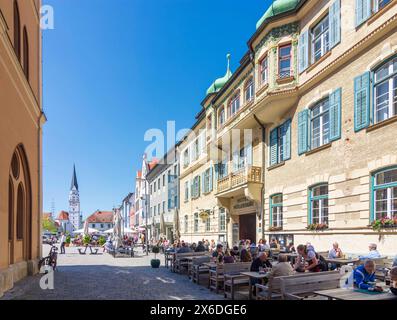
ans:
(128, 230)
(110, 231)
(86, 228)
(90, 230)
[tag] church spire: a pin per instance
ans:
(74, 179)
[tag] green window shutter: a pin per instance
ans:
(198, 186)
(335, 23)
(362, 101)
(287, 140)
(363, 11)
(203, 188)
(303, 127)
(274, 146)
(335, 103)
(303, 51)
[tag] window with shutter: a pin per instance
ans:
(335, 114)
(361, 101)
(303, 131)
(303, 56)
(335, 23)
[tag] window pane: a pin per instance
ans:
(385, 177)
(382, 101)
(277, 199)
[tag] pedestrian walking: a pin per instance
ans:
(63, 241)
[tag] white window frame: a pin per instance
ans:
(249, 90)
(392, 96)
(321, 116)
(322, 37)
(264, 71)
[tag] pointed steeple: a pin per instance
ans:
(74, 179)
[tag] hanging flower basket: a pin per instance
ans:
(384, 223)
(317, 227)
(273, 229)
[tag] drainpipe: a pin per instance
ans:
(41, 120)
(262, 211)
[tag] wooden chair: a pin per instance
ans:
(233, 278)
(180, 264)
(273, 289)
(197, 268)
(300, 288)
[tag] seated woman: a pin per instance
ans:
(245, 255)
(307, 260)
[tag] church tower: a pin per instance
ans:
(74, 202)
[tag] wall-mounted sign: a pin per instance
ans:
(243, 203)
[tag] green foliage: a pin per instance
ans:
(68, 239)
(317, 227)
(49, 225)
(156, 249)
(384, 223)
(86, 239)
(101, 241)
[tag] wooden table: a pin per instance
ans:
(254, 275)
(353, 294)
(211, 265)
(232, 278)
(342, 262)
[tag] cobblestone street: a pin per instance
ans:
(93, 277)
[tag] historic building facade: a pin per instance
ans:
(101, 220)
(21, 121)
(317, 89)
(163, 181)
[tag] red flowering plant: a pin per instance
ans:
(317, 227)
(384, 223)
(272, 229)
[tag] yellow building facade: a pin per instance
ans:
(21, 120)
(316, 95)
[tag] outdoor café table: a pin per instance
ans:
(355, 294)
(341, 262)
(211, 265)
(254, 275)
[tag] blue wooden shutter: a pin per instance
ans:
(273, 146)
(363, 11)
(303, 56)
(198, 186)
(335, 23)
(361, 101)
(303, 127)
(287, 140)
(211, 180)
(335, 103)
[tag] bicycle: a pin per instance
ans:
(50, 260)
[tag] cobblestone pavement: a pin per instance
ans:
(96, 277)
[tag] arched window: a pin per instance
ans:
(221, 117)
(20, 212)
(249, 90)
(17, 31)
(26, 53)
(10, 210)
(384, 196)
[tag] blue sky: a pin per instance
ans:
(114, 69)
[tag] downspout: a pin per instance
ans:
(262, 211)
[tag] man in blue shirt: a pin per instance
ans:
(373, 253)
(364, 277)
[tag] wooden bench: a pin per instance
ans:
(197, 268)
(299, 288)
(216, 277)
(272, 290)
(233, 278)
(180, 264)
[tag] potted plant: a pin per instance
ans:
(155, 263)
(68, 240)
(101, 241)
(384, 223)
(317, 227)
(86, 240)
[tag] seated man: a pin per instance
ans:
(282, 268)
(184, 248)
(393, 278)
(373, 253)
(261, 261)
(364, 277)
(200, 247)
(218, 253)
(335, 253)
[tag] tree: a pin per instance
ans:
(49, 225)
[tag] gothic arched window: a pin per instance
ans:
(17, 31)
(26, 53)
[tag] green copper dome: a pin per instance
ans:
(276, 8)
(219, 83)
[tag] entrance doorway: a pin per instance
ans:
(248, 227)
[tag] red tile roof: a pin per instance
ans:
(153, 163)
(63, 215)
(101, 217)
(139, 174)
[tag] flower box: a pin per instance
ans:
(317, 227)
(384, 223)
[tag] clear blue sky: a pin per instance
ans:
(114, 69)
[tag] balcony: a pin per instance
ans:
(240, 178)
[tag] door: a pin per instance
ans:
(248, 227)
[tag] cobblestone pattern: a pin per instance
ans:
(97, 277)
